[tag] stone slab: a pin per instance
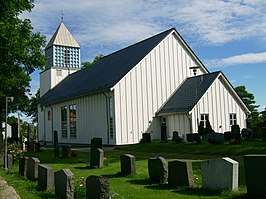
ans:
(64, 184)
(157, 169)
(97, 188)
(45, 177)
(128, 164)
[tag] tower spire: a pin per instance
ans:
(62, 16)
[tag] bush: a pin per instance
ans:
(15, 151)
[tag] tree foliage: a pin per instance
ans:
(21, 52)
(249, 100)
(87, 64)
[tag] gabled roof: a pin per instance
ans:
(185, 97)
(62, 37)
(104, 74)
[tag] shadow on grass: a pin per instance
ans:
(196, 191)
(116, 175)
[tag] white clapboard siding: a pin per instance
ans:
(179, 123)
(91, 119)
(219, 101)
(145, 88)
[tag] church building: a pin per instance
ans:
(132, 91)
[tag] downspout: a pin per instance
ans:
(44, 125)
(107, 118)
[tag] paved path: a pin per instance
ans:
(7, 192)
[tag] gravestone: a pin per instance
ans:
(128, 164)
(146, 138)
(30, 138)
(220, 174)
(216, 138)
(1, 142)
(97, 156)
(56, 147)
(96, 143)
(157, 169)
(180, 173)
(64, 184)
(97, 188)
(176, 137)
(193, 138)
(45, 177)
(23, 164)
(235, 134)
(32, 169)
(26, 162)
(255, 174)
(66, 151)
(227, 135)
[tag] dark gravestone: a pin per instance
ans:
(176, 137)
(22, 165)
(64, 184)
(30, 138)
(45, 177)
(235, 136)
(255, 173)
(56, 147)
(32, 170)
(97, 188)
(216, 138)
(227, 135)
(128, 164)
(26, 162)
(180, 173)
(66, 151)
(157, 169)
(163, 131)
(146, 138)
(194, 138)
(97, 156)
(96, 143)
(246, 134)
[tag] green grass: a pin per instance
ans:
(139, 186)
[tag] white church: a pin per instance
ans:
(132, 91)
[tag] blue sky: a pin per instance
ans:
(226, 35)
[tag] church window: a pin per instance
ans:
(204, 118)
(232, 117)
(111, 118)
(64, 121)
(73, 121)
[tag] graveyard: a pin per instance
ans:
(136, 182)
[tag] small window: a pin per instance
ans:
(204, 118)
(64, 121)
(49, 115)
(111, 121)
(233, 120)
(73, 121)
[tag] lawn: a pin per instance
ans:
(139, 186)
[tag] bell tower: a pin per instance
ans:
(63, 55)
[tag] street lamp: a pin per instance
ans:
(195, 69)
(8, 99)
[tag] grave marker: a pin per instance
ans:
(97, 156)
(64, 184)
(220, 174)
(32, 169)
(45, 177)
(157, 169)
(97, 188)
(66, 151)
(180, 173)
(128, 164)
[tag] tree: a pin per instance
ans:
(21, 52)
(249, 100)
(87, 64)
(32, 108)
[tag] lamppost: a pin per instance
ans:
(8, 99)
(195, 69)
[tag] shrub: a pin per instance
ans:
(15, 151)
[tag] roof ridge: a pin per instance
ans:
(141, 41)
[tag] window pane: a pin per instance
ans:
(64, 121)
(73, 123)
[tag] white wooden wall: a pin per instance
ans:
(91, 119)
(219, 102)
(147, 86)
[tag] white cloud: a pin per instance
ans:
(249, 58)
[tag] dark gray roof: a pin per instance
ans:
(185, 98)
(104, 74)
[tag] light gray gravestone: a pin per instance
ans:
(9, 162)
(45, 177)
(32, 170)
(64, 184)
(97, 188)
(97, 157)
(180, 173)
(128, 164)
(157, 169)
(255, 173)
(220, 174)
